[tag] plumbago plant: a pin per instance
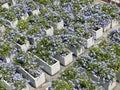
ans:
(72, 79)
(6, 48)
(114, 36)
(28, 62)
(110, 9)
(14, 79)
(83, 32)
(44, 2)
(22, 26)
(96, 68)
(9, 16)
(31, 5)
(18, 10)
(72, 40)
(53, 18)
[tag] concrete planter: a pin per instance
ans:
(59, 25)
(107, 85)
(98, 33)
(50, 31)
(9, 87)
(107, 27)
(76, 51)
(114, 23)
(5, 5)
(89, 42)
(36, 12)
(110, 86)
(35, 82)
(118, 76)
(50, 69)
(24, 47)
(65, 60)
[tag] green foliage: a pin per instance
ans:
(1, 86)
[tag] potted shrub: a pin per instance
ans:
(75, 44)
(44, 58)
(7, 51)
(57, 22)
(29, 68)
(64, 56)
(33, 8)
(12, 80)
(98, 32)
(22, 43)
(86, 35)
(10, 16)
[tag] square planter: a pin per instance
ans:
(65, 60)
(114, 23)
(50, 31)
(109, 85)
(98, 33)
(76, 51)
(9, 87)
(35, 82)
(89, 42)
(24, 47)
(59, 25)
(5, 5)
(50, 69)
(107, 27)
(36, 12)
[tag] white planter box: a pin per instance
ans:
(110, 86)
(106, 27)
(98, 33)
(106, 85)
(35, 82)
(50, 69)
(76, 51)
(9, 87)
(114, 23)
(59, 25)
(50, 31)
(24, 47)
(36, 12)
(65, 60)
(89, 42)
(5, 5)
